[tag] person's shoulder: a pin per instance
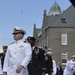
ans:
(11, 43)
(41, 49)
(26, 43)
(69, 62)
(53, 61)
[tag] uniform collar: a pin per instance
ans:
(19, 41)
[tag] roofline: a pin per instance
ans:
(59, 27)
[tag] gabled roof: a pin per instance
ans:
(69, 15)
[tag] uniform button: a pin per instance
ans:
(14, 52)
(15, 47)
(36, 56)
(14, 64)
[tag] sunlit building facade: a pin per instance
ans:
(57, 32)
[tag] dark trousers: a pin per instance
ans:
(73, 73)
(34, 70)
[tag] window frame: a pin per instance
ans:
(64, 39)
(66, 57)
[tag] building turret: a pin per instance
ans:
(55, 10)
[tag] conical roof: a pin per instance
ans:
(55, 9)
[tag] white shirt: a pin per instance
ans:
(54, 67)
(18, 53)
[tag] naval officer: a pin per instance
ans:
(70, 67)
(37, 65)
(18, 55)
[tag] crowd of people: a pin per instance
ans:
(25, 58)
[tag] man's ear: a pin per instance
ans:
(73, 2)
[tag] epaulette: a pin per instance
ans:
(11, 43)
(26, 42)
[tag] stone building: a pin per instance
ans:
(57, 32)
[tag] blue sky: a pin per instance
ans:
(23, 13)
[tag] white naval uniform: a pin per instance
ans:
(1, 72)
(18, 53)
(54, 67)
(70, 66)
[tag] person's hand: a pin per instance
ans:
(43, 73)
(18, 70)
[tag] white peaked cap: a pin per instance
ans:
(73, 56)
(18, 29)
(49, 52)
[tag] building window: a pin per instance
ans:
(63, 20)
(64, 58)
(64, 39)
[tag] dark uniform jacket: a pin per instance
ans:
(37, 64)
(74, 73)
(59, 71)
(2, 59)
(49, 63)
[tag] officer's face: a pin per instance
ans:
(4, 49)
(73, 59)
(31, 42)
(58, 63)
(18, 36)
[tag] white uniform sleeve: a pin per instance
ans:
(54, 67)
(72, 65)
(0, 68)
(28, 54)
(5, 67)
(68, 64)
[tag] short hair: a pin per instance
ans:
(31, 38)
(5, 47)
